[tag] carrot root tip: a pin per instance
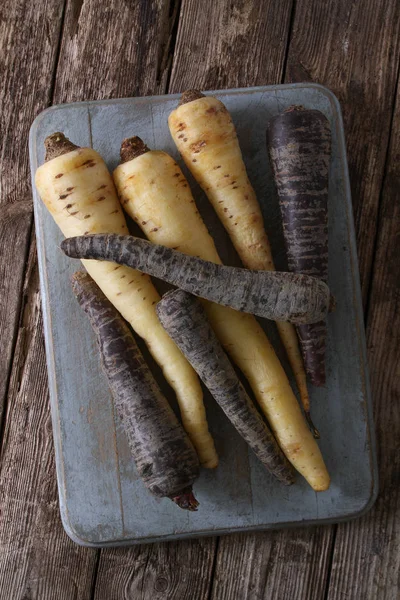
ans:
(186, 500)
(312, 427)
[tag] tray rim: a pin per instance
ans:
(374, 488)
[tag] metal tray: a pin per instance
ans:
(102, 501)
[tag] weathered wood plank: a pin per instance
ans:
(37, 559)
(366, 561)
(278, 564)
(230, 44)
(117, 49)
(180, 570)
(26, 73)
(353, 48)
(246, 46)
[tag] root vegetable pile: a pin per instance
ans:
(299, 143)
(155, 193)
(76, 187)
(186, 335)
(165, 458)
(205, 135)
(186, 322)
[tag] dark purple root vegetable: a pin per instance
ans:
(165, 458)
(185, 320)
(299, 143)
(269, 294)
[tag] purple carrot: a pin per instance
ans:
(185, 320)
(299, 144)
(165, 458)
(269, 294)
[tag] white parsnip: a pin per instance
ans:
(205, 135)
(79, 192)
(155, 193)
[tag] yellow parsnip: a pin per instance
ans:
(155, 193)
(205, 136)
(78, 190)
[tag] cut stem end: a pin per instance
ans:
(294, 108)
(189, 96)
(57, 144)
(132, 148)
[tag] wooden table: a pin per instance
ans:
(57, 51)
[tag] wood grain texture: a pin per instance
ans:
(273, 566)
(175, 570)
(246, 46)
(114, 49)
(353, 48)
(22, 66)
(15, 223)
(228, 44)
(366, 561)
(37, 559)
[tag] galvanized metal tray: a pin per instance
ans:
(102, 501)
